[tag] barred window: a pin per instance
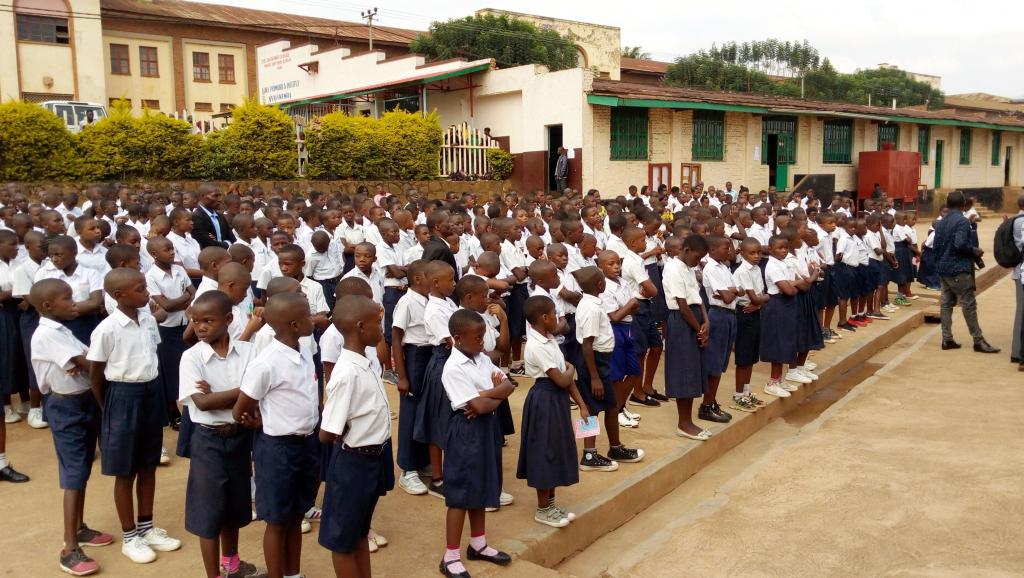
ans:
(708, 135)
(837, 142)
(629, 134)
(924, 141)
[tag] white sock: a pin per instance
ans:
(3, 461)
(746, 389)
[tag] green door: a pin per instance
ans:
(938, 164)
(782, 177)
(783, 128)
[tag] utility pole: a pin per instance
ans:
(369, 15)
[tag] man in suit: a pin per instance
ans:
(209, 227)
(562, 170)
(437, 248)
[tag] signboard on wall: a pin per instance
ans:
(280, 78)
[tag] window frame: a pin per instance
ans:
(965, 145)
(925, 131)
(708, 138)
(29, 23)
(146, 102)
(997, 144)
(146, 62)
(895, 140)
(839, 145)
(629, 134)
(221, 69)
(198, 68)
(206, 107)
(123, 57)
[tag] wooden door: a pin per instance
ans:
(689, 174)
(659, 174)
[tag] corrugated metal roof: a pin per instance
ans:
(201, 14)
(638, 65)
(638, 93)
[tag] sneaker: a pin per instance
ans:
(306, 527)
(93, 538)
(11, 416)
(707, 412)
(835, 334)
(138, 551)
(23, 407)
(857, 323)
(390, 376)
(847, 327)
(314, 514)
(795, 376)
(624, 454)
(645, 402)
(743, 403)
(165, 458)
(788, 386)
(506, 499)
(774, 388)
(595, 462)
(157, 539)
(35, 418)
(569, 515)
(827, 337)
(658, 397)
(412, 484)
(756, 401)
(808, 374)
(631, 415)
(810, 366)
(517, 369)
(377, 539)
(626, 422)
(879, 316)
(551, 516)
(902, 301)
(244, 570)
(436, 489)
(77, 563)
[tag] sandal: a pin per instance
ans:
(703, 436)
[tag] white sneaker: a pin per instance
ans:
(412, 484)
(11, 416)
(788, 386)
(24, 407)
(157, 539)
(775, 389)
(165, 458)
(794, 375)
(306, 527)
(632, 416)
(35, 418)
(138, 551)
(313, 515)
(810, 366)
(626, 422)
(506, 498)
(807, 373)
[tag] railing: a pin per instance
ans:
(464, 152)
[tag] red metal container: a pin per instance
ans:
(898, 173)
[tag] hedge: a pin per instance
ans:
(34, 144)
(401, 145)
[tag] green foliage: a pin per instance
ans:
(259, 143)
(106, 147)
(501, 163)
(510, 41)
(34, 143)
(400, 145)
(636, 52)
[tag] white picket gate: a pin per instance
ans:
(464, 151)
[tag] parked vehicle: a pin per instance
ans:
(76, 114)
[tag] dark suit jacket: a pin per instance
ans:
(437, 249)
(205, 234)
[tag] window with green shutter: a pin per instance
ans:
(629, 134)
(784, 127)
(837, 142)
(708, 135)
(924, 141)
(997, 143)
(965, 146)
(889, 133)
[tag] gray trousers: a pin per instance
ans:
(1017, 319)
(959, 289)
(560, 184)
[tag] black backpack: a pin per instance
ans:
(1005, 248)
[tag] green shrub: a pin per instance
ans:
(34, 143)
(501, 163)
(411, 144)
(107, 148)
(259, 143)
(401, 145)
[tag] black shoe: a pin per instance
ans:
(501, 558)
(707, 412)
(658, 396)
(718, 409)
(1014, 359)
(176, 424)
(646, 402)
(9, 474)
(443, 567)
(595, 462)
(983, 347)
(436, 489)
(950, 345)
(847, 327)
(624, 454)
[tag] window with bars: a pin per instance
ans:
(201, 66)
(43, 29)
(119, 63)
(629, 134)
(148, 64)
(997, 143)
(889, 134)
(965, 146)
(151, 104)
(708, 135)
(837, 142)
(204, 107)
(226, 68)
(924, 141)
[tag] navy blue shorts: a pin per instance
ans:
(879, 272)
(412, 455)
(27, 323)
(132, 430)
(644, 328)
(721, 337)
(624, 360)
(391, 297)
(353, 484)
(867, 279)
(602, 361)
(329, 287)
(169, 351)
(75, 425)
(286, 471)
(219, 482)
(748, 338)
(514, 306)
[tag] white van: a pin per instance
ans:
(75, 114)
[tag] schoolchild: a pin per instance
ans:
(280, 386)
(86, 284)
(291, 260)
(807, 326)
(566, 296)
(124, 375)
(547, 454)
(926, 271)
(211, 259)
(364, 256)
(620, 305)
(350, 233)
(10, 357)
(91, 251)
(170, 288)
(332, 342)
(513, 259)
(879, 272)
(415, 251)
(534, 250)
(750, 298)
(247, 233)
(217, 502)
(22, 278)
(356, 420)
(686, 336)
(128, 235)
(588, 250)
(186, 249)
(393, 267)
(890, 262)
(472, 458)
(265, 336)
(244, 256)
(866, 280)
(721, 289)
(597, 343)
(779, 317)
(824, 226)
(233, 280)
(903, 274)
(323, 265)
(644, 325)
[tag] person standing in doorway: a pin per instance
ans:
(562, 170)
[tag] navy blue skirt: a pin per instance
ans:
(353, 485)
(286, 472)
(624, 361)
(748, 337)
(472, 462)
(721, 337)
(779, 326)
(809, 324)
(660, 309)
(10, 350)
(131, 432)
(926, 273)
(686, 372)
(603, 363)
(219, 482)
(434, 408)
(547, 454)
(570, 347)
(27, 323)
(75, 426)
(905, 272)
(412, 455)
(391, 297)
(169, 352)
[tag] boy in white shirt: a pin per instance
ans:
(186, 249)
(365, 255)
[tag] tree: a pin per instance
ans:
(636, 52)
(509, 41)
(34, 143)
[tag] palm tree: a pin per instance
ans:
(635, 52)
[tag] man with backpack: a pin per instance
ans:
(956, 252)
(1009, 244)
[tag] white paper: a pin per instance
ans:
(570, 153)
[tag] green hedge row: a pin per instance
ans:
(400, 145)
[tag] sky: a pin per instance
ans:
(974, 47)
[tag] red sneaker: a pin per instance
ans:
(93, 538)
(77, 563)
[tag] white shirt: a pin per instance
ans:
(271, 270)
(84, 281)
(776, 271)
(95, 259)
(873, 242)
(413, 253)
(170, 285)
(353, 234)
(321, 266)
(569, 283)
(761, 233)
(53, 348)
(748, 276)
(315, 295)
(390, 255)
(576, 260)
(464, 378)
(260, 251)
(599, 234)
(186, 249)
(375, 280)
(284, 381)
(410, 317)
(634, 273)
(616, 295)
(615, 243)
(679, 281)
(717, 276)
(128, 348)
(201, 363)
(592, 321)
(206, 285)
(23, 277)
(541, 353)
(436, 315)
(824, 248)
(266, 336)
(512, 257)
(332, 343)
(357, 407)
(846, 246)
